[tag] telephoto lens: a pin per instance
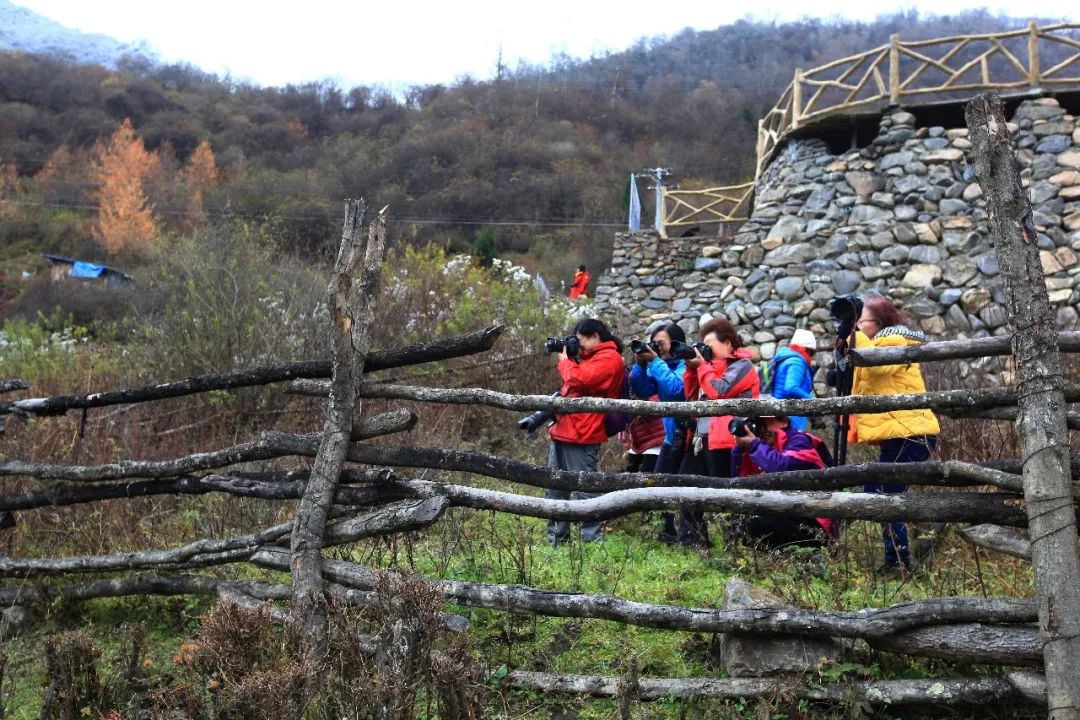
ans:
(530, 423)
(637, 347)
(681, 350)
(553, 345)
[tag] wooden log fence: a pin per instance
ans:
(373, 499)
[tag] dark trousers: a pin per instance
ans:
(640, 462)
(900, 450)
(776, 531)
(693, 527)
(669, 461)
(567, 456)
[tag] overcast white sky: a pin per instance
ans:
(425, 41)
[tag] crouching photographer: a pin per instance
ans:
(596, 370)
(769, 444)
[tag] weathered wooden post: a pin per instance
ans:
(796, 98)
(1033, 55)
(894, 69)
(351, 313)
(1044, 440)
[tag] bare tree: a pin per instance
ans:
(351, 311)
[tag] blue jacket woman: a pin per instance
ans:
(794, 377)
(662, 377)
(656, 373)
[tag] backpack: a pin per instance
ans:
(822, 450)
(767, 375)
(616, 422)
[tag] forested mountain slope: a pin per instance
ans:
(532, 162)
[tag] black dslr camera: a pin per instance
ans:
(845, 310)
(570, 343)
(686, 352)
(738, 426)
(638, 347)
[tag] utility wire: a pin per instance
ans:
(88, 207)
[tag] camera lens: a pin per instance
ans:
(637, 346)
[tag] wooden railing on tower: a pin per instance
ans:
(921, 69)
(1018, 61)
(689, 208)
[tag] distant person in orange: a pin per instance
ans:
(580, 288)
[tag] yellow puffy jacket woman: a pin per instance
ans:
(891, 380)
(902, 435)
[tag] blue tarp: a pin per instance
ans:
(81, 269)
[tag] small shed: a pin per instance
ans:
(64, 268)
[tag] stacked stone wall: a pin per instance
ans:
(902, 217)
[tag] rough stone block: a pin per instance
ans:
(1050, 264)
(926, 254)
(787, 227)
(1065, 257)
(868, 213)
(922, 276)
(1069, 159)
(958, 270)
(754, 655)
(789, 288)
(1066, 177)
(928, 233)
(972, 192)
(941, 156)
(974, 300)
(797, 254)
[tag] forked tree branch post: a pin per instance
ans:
(1044, 440)
(351, 310)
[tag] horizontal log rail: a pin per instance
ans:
(1068, 342)
(944, 692)
(941, 400)
(428, 500)
(951, 628)
(433, 351)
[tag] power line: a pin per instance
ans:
(88, 207)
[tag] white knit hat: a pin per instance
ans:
(804, 338)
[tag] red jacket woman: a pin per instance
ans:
(599, 373)
(576, 437)
(724, 378)
(580, 287)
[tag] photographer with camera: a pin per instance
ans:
(771, 444)
(590, 364)
(657, 372)
(903, 435)
(726, 373)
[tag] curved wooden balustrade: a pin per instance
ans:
(919, 71)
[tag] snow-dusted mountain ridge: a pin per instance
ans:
(25, 31)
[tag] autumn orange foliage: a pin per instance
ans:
(199, 174)
(122, 166)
